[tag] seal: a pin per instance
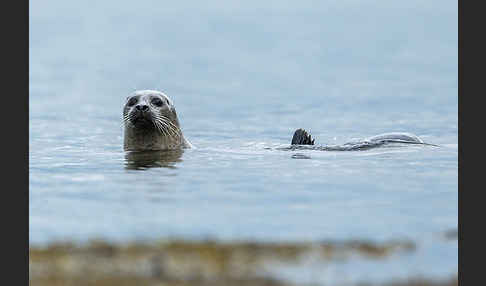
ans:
(151, 123)
(303, 140)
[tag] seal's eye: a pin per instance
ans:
(132, 101)
(157, 101)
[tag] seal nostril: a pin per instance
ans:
(142, 107)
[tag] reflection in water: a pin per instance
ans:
(300, 156)
(141, 160)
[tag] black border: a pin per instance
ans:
(464, 24)
(470, 46)
(15, 141)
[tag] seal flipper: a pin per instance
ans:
(301, 137)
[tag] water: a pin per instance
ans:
(243, 77)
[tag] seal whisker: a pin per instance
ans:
(158, 125)
(126, 119)
(172, 129)
(173, 126)
(167, 126)
(164, 127)
(160, 128)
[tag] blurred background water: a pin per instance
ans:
(243, 76)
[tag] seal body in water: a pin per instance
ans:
(303, 140)
(151, 123)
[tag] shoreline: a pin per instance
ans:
(179, 262)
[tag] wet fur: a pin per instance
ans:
(302, 139)
(156, 129)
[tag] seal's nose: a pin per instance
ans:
(142, 107)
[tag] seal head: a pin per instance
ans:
(151, 123)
